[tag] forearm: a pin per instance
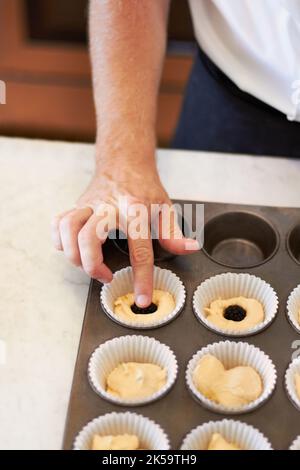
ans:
(127, 42)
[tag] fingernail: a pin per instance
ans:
(192, 244)
(143, 300)
(103, 281)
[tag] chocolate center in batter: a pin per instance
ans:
(143, 311)
(234, 313)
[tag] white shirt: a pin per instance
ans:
(256, 43)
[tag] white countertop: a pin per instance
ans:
(43, 297)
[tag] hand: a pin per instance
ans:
(76, 232)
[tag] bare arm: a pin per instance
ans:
(127, 41)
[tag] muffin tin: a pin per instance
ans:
(263, 241)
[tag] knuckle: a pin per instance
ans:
(141, 254)
(91, 271)
(67, 223)
(74, 258)
(84, 237)
(172, 230)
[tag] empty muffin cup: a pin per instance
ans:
(293, 308)
(292, 372)
(231, 285)
(240, 239)
(295, 444)
(240, 434)
(122, 284)
(124, 349)
(231, 355)
(151, 436)
(293, 243)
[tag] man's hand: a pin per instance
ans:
(77, 232)
(127, 43)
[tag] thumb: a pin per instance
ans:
(171, 237)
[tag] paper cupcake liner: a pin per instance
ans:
(130, 349)
(295, 444)
(228, 285)
(241, 434)
(293, 307)
(289, 382)
(233, 354)
(122, 284)
(150, 434)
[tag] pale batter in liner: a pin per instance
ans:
(234, 387)
(218, 442)
(165, 305)
(134, 380)
(119, 442)
(254, 313)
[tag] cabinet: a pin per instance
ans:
(45, 65)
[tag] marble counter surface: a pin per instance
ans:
(43, 297)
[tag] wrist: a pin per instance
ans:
(128, 152)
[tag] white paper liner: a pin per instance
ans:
(150, 434)
(233, 354)
(289, 380)
(241, 434)
(229, 285)
(295, 444)
(293, 307)
(130, 349)
(122, 284)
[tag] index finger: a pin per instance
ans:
(142, 260)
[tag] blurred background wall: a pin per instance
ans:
(44, 63)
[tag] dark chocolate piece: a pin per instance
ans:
(235, 313)
(139, 310)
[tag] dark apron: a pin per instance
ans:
(217, 116)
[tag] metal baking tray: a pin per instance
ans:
(264, 241)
